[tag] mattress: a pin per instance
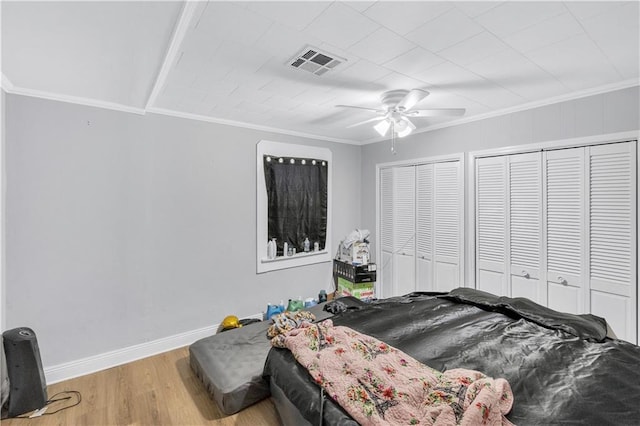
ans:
(230, 364)
(562, 368)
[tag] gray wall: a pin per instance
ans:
(123, 229)
(4, 379)
(611, 112)
(2, 211)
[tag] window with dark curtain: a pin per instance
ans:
(297, 201)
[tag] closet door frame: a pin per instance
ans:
(472, 156)
(462, 234)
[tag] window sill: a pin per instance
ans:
(300, 255)
(299, 259)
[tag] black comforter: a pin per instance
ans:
(562, 368)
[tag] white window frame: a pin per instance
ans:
(263, 263)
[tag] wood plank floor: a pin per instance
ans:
(159, 390)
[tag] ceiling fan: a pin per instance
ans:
(397, 108)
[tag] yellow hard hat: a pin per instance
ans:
(231, 321)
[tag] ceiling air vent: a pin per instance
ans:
(315, 61)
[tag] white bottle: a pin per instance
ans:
(272, 249)
(306, 245)
(285, 250)
(316, 246)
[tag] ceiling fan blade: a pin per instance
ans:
(380, 111)
(413, 97)
(437, 112)
(365, 122)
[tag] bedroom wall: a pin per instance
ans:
(4, 379)
(124, 229)
(2, 212)
(610, 112)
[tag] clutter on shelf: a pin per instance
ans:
(288, 250)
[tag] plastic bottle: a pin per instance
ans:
(285, 250)
(273, 310)
(272, 249)
(269, 312)
(306, 245)
(316, 246)
(295, 305)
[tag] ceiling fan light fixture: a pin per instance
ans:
(404, 127)
(404, 132)
(382, 127)
(396, 111)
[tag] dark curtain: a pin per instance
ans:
(297, 197)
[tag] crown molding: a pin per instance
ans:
(140, 111)
(74, 100)
(7, 85)
(523, 107)
(179, 33)
(242, 124)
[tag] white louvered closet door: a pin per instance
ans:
(447, 214)
(397, 230)
(424, 228)
(404, 229)
(386, 233)
(421, 227)
(491, 221)
(612, 236)
(565, 208)
(525, 227)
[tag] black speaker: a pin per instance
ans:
(28, 388)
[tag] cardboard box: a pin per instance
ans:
(357, 253)
(363, 290)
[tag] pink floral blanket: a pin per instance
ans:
(378, 384)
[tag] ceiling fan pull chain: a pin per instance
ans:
(393, 137)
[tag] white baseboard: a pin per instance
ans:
(256, 316)
(92, 364)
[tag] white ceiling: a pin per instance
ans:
(229, 61)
